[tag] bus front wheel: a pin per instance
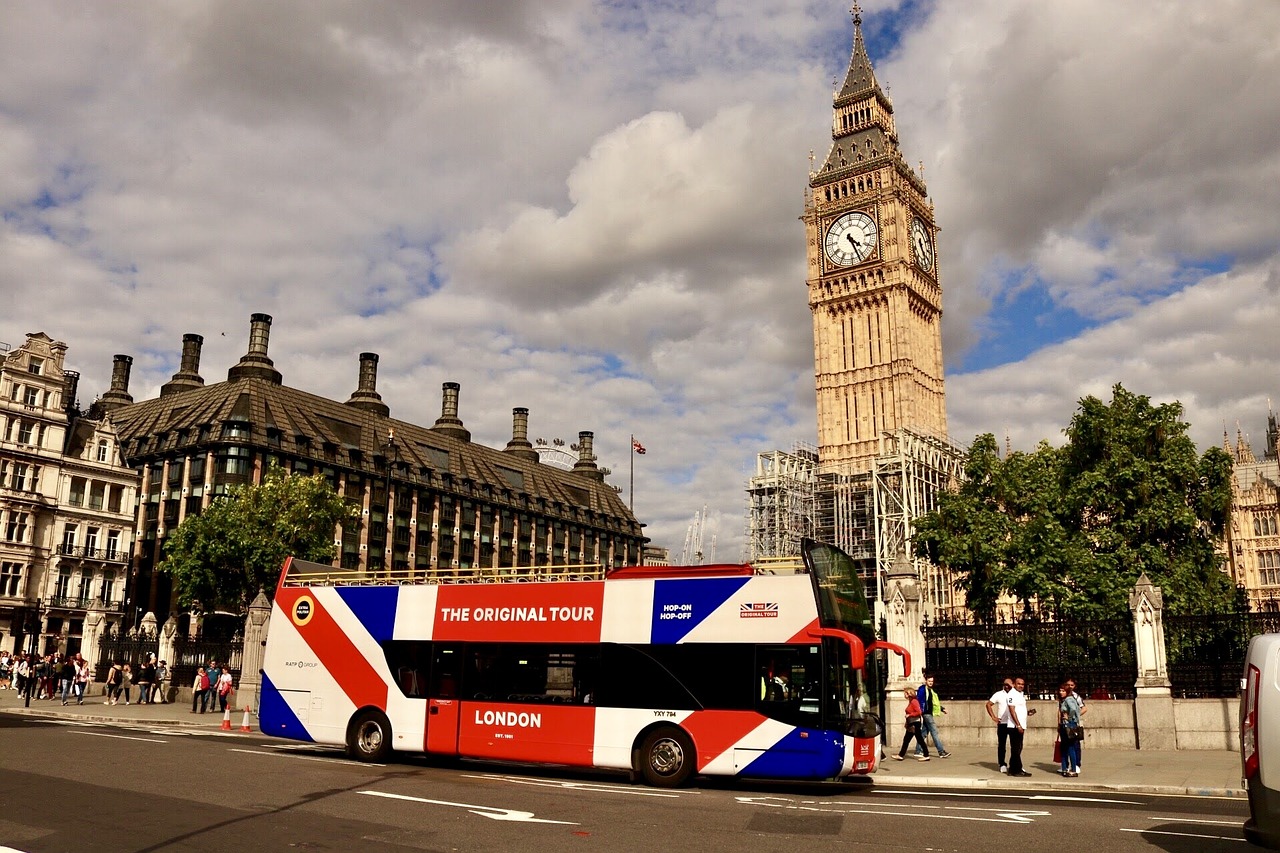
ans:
(369, 736)
(666, 758)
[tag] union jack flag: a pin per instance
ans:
(637, 446)
(758, 610)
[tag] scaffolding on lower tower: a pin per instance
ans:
(867, 510)
(780, 502)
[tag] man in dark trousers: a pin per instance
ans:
(1018, 716)
(998, 711)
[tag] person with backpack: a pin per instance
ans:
(931, 705)
(113, 683)
(200, 690)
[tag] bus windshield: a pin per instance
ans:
(842, 604)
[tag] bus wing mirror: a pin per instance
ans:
(896, 649)
(857, 653)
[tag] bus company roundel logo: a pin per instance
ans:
(303, 609)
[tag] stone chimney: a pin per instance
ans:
(448, 422)
(519, 445)
(586, 464)
(255, 364)
(366, 395)
(188, 375)
(119, 394)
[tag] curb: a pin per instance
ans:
(1061, 787)
(102, 718)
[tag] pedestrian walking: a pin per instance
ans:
(931, 707)
(126, 681)
(1070, 732)
(6, 670)
(200, 690)
(84, 675)
(162, 683)
(225, 689)
(113, 683)
(1017, 725)
(911, 728)
(145, 677)
(998, 711)
(66, 678)
(1071, 689)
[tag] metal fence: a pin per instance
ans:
(1204, 654)
(971, 661)
(126, 647)
(191, 653)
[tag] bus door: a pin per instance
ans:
(443, 709)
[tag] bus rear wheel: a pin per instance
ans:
(666, 758)
(369, 736)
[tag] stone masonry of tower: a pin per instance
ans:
(873, 281)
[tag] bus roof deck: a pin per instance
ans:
(304, 573)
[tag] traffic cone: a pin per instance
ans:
(244, 721)
(226, 719)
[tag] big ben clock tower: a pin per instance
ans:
(873, 280)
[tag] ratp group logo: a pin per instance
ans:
(303, 609)
(758, 610)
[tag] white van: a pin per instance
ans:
(1260, 739)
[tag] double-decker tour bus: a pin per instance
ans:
(659, 670)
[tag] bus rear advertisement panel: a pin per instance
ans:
(664, 676)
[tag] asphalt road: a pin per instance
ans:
(98, 787)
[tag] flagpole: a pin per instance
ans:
(632, 491)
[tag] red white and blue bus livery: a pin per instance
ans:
(661, 671)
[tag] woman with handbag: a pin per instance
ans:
(1070, 731)
(912, 728)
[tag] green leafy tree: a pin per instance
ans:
(238, 545)
(1142, 499)
(1074, 527)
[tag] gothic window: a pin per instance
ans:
(1264, 525)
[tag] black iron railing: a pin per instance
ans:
(111, 555)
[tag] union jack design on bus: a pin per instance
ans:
(661, 671)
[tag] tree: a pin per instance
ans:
(1074, 527)
(238, 545)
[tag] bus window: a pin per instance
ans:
(445, 672)
(719, 675)
(407, 660)
(789, 683)
(631, 678)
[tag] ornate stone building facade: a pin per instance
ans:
(1253, 537)
(66, 504)
(433, 501)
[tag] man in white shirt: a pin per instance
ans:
(998, 711)
(1017, 726)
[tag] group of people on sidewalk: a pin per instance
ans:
(212, 684)
(1008, 709)
(68, 678)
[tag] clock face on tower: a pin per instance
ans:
(922, 245)
(851, 239)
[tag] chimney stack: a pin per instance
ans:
(519, 445)
(119, 394)
(448, 422)
(586, 464)
(255, 364)
(188, 375)
(366, 395)
(72, 388)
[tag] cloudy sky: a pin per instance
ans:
(591, 208)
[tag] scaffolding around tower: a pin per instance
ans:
(868, 512)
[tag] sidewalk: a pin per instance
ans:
(94, 711)
(1204, 773)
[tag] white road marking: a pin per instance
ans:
(1182, 834)
(491, 812)
(997, 815)
(591, 787)
(1055, 797)
(120, 737)
(1192, 820)
(306, 757)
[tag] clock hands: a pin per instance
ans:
(857, 247)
